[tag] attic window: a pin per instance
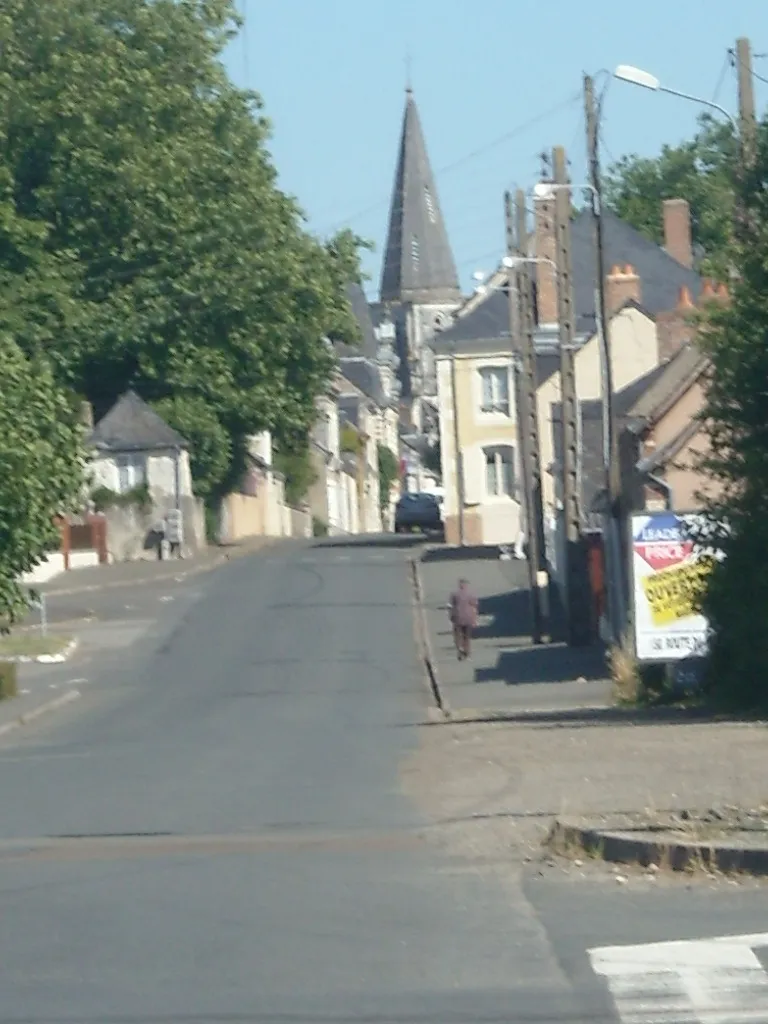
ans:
(431, 208)
(415, 250)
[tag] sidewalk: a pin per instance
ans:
(147, 570)
(506, 672)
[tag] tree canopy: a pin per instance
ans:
(41, 468)
(736, 340)
(150, 245)
(701, 171)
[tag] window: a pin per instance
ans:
(500, 471)
(131, 472)
(415, 250)
(495, 385)
(431, 208)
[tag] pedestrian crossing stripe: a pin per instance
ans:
(704, 981)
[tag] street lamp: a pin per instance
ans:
(636, 76)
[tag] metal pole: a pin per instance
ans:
(612, 519)
(521, 336)
(576, 595)
(457, 450)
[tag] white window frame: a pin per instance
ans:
(131, 472)
(494, 462)
(498, 406)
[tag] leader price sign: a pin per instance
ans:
(667, 574)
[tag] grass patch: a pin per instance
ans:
(32, 645)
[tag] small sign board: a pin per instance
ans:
(667, 572)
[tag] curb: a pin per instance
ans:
(41, 709)
(422, 633)
(619, 847)
(45, 659)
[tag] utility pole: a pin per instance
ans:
(521, 333)
(614, 574)
(575, 576)
(459, 462)
(747, 117)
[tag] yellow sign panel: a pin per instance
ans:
(672, 594)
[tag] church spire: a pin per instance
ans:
(418, 262)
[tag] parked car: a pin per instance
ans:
(418, 513)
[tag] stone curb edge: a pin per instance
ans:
(618, 847)
(235, 552)
(422, 630)
(41, 709)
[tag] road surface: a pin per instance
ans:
(216, 832)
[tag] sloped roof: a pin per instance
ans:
(418, 261)
(661, 278)
(672, 448)
(362, 313)
(364, 375)
(679, 373)
(132, 426)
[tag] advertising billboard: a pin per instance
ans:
(666, 578)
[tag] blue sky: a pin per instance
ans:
(495, 84)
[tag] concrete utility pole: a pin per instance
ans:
(614, 575)
(459, 462)
(521, 333)
(577, 595)
(747, 117)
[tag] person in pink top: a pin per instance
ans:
(463, 612)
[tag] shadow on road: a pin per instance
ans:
(371, 540)
(550, 663)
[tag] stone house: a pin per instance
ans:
(134, 452)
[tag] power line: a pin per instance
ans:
(736, 60)
(473, 154)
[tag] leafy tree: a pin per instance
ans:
(701, 171)
(158, 252)
(389, 472)
(41, 469)
(296, 466)
(210, 444)
(736, 340)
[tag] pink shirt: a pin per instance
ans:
(463, 607)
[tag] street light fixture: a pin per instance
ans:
(636, 76)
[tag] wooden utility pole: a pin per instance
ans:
(747, 117)
(458, 460)
(521, 333)
(612, 551)
(575, 575)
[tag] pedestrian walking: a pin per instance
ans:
(463, 612)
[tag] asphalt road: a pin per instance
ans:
(216, 831)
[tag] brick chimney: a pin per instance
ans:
(677, 231)
(546, 277)
(621, 285)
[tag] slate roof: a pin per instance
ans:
(364, 375)
(418, 261)
(661, 278)
(678, 374)
(132, 426)
(362, 313)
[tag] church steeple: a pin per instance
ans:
(418, 262)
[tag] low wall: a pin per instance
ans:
(242, 515)
(132, 531)
(300, 522)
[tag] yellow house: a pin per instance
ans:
(634, 352)
(476, 380)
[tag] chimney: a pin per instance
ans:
(546, 277)
(675, 327)
(677, 231)
(708, 293)
(621, 285)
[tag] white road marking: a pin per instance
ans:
(706, 981)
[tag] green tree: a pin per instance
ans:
(701, 171)
(736, 340)
(389, 471)
(295, 464)
(210, 444)
(41, 469)
(160, 253)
